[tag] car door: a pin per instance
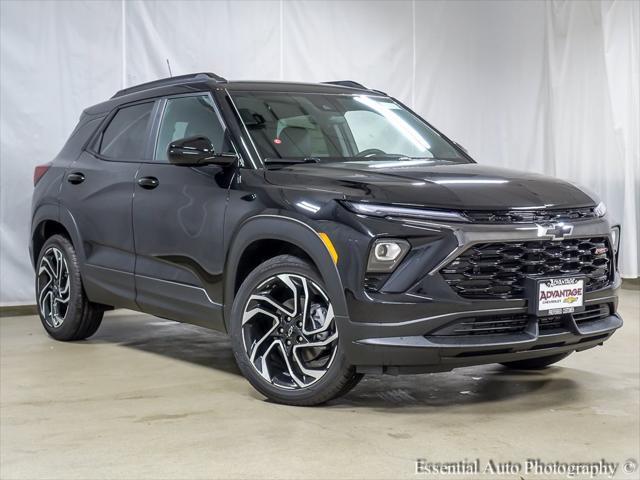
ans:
(98, 196)
(178, 218)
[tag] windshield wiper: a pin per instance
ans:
(285, 161)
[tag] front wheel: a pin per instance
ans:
(285, 337)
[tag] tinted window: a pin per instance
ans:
(126, 135)
(190, 117)
(337, 127)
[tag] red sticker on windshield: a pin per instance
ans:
(277, 141)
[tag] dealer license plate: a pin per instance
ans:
(556, 296)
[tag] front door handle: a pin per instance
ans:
(148, 182)
(75, 178)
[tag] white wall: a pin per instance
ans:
(544, 86)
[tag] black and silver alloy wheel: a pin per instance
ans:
(65, 311)
(289, 332)
(54, 287)
(285, 334)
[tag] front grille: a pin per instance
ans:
(499, 269)
(516, 323)
(530, 216)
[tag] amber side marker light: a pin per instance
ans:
(39, 172)
(327, 243)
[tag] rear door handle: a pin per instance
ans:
(148, 182)
(75, 178)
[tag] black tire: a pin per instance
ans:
(350, 385)
(536, 363)
(338, 377)
(81, 317)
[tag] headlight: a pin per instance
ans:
(378, 210)
(600, 210)
(615, 238)
(386, 253)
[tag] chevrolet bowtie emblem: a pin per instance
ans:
(557, 231)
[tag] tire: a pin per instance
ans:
(536, 363)
(65, 311)
(282, 345)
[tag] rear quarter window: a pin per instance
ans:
(126, 135)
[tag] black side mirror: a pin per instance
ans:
(193, 151)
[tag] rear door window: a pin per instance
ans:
(126, 136)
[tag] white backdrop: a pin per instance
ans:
(550, 87)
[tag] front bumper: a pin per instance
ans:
(406, 348)
(394, 330)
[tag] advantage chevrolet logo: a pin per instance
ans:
(557, 231)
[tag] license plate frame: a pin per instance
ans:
(562, 295)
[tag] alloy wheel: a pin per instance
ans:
(54, 287)
(289, 331)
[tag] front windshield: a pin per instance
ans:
(338, 127)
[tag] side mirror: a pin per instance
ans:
(194, 151)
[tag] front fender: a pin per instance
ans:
(302, 234)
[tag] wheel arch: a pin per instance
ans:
(264, 236)
(49, 220)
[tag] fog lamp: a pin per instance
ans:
(386, 254)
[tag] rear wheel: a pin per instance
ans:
(285, 337)
(65, 311)
(536, 363)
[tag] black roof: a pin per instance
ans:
(333, 86)
(199, 80)
(170, 81)
(276, 86)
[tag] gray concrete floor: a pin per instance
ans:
(147, 398)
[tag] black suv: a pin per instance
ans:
(328, 228)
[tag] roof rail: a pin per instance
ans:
(347, 83)
(163, 82)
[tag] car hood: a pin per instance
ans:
(423, 183)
